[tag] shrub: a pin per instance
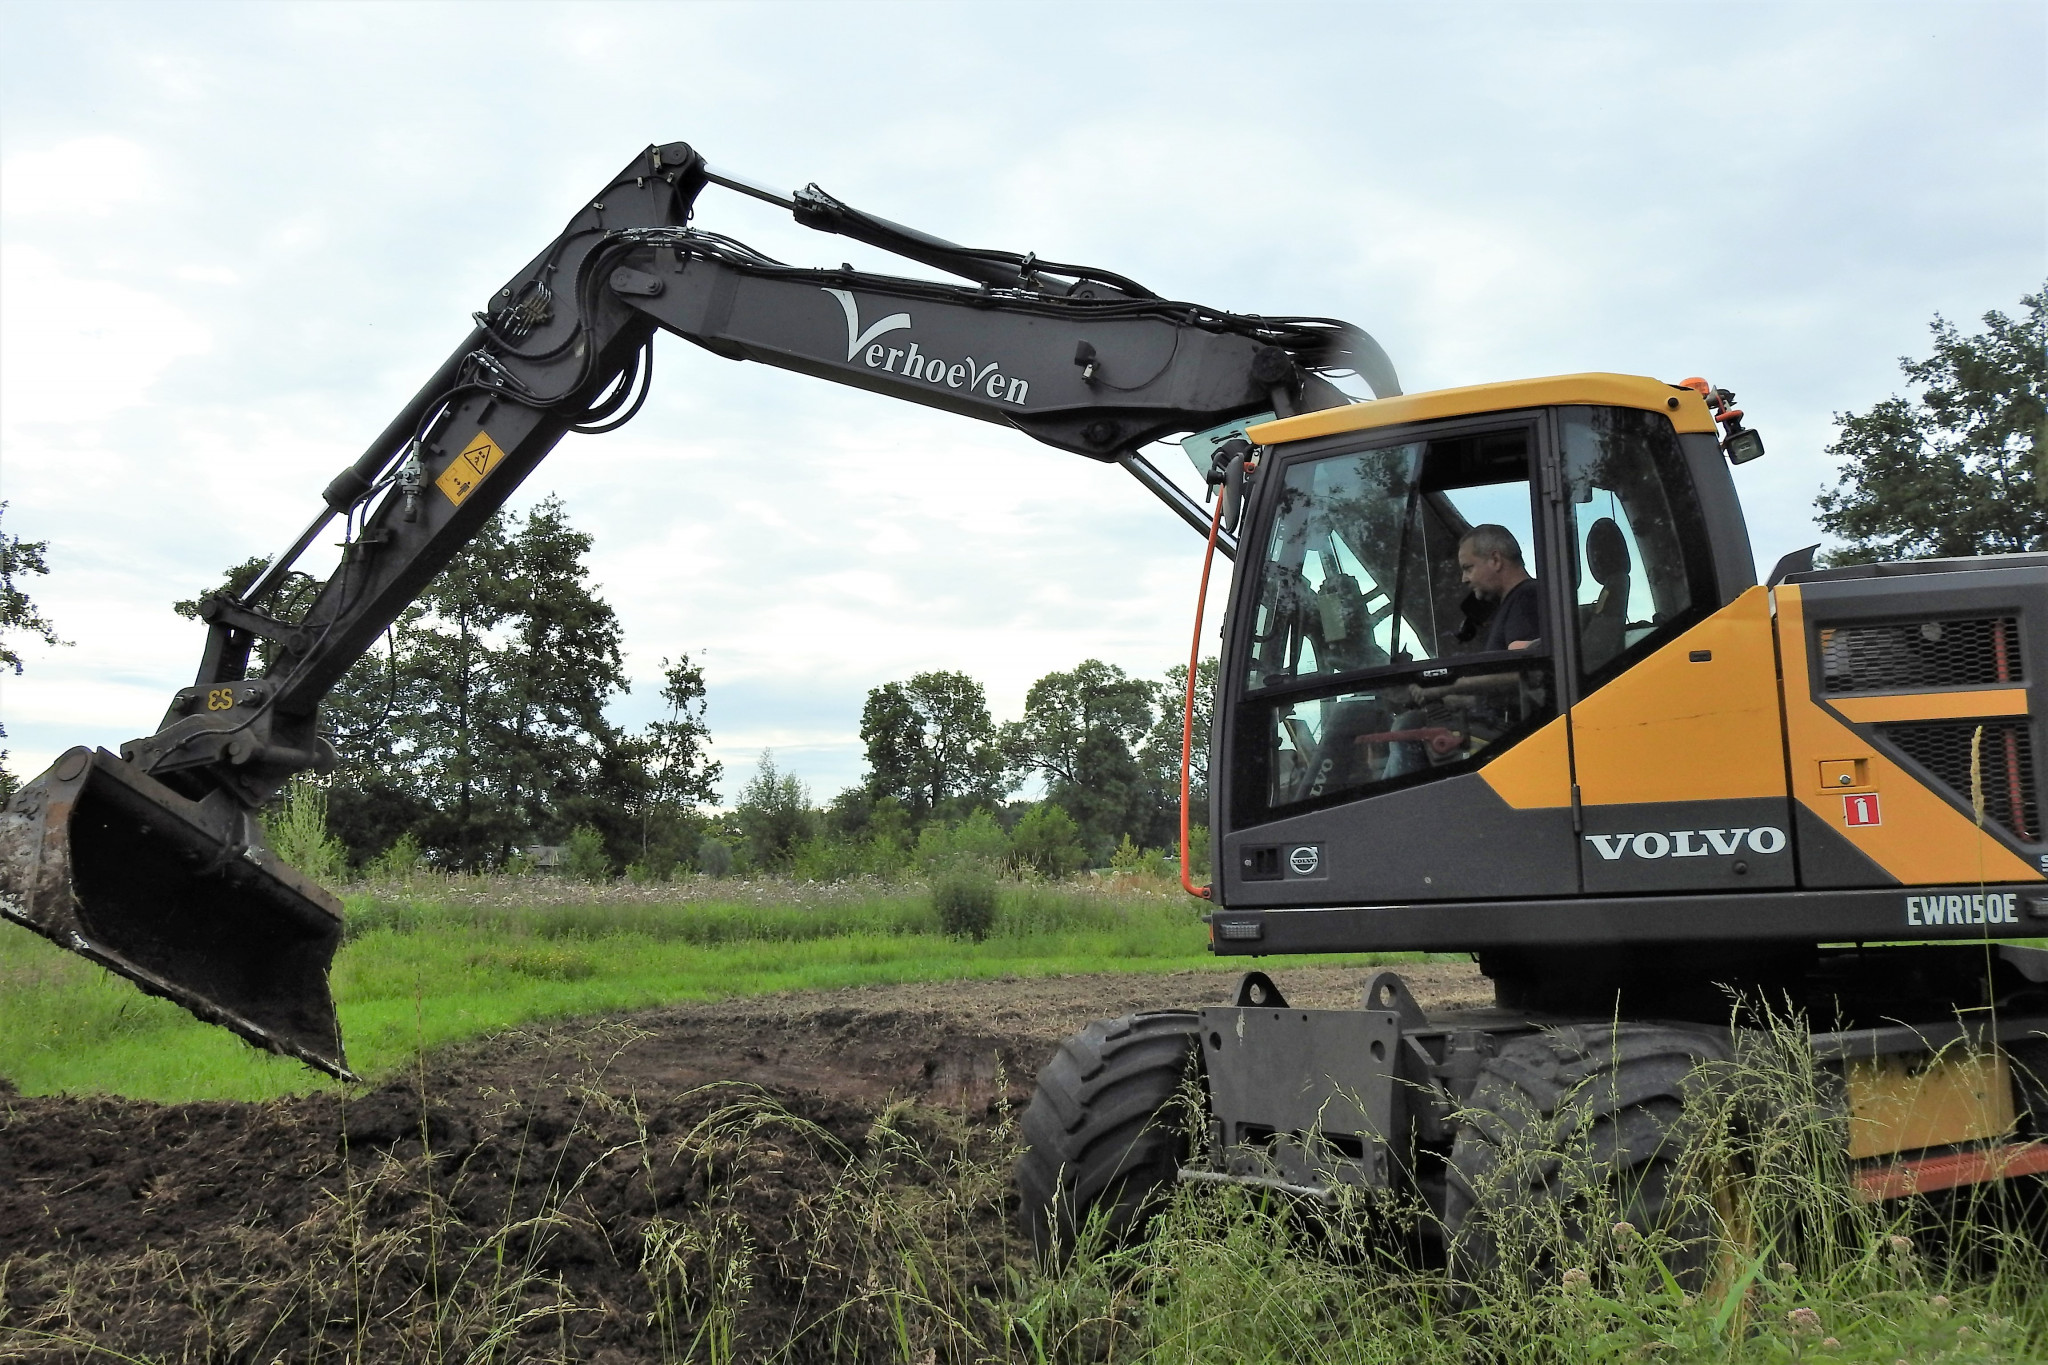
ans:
(714, 858)
(399, 861)
(1128, 858)
(298, 831)
(965, 899)
(829, 858)
(584, 858)
(1048, 842)
(977, 842)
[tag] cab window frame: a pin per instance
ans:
(1253, 711)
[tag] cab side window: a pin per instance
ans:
(1642, 567)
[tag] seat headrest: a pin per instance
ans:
(1607, 557)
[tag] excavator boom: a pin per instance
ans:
(152, 862)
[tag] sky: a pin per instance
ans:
(234, 239)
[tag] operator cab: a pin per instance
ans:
(1367, 702)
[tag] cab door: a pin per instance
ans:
(1382, 746)
(1677, 745)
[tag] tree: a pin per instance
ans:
(932, 746)
(559, 761)
(679, 774)
(480, 725)
(774, 814)
(1079, 730)
(19, 559)
(1161, 753)
(1962, 470)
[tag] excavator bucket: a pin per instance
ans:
(182, 897)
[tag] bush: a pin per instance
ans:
(399, 861)
(298, 831)
(965, 900)
(1048, 842)
(977, 842)
(714, 858)
(584, 858)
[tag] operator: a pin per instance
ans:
(1490, 563)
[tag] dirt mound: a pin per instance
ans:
(822, 1172)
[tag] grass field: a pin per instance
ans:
(1802, 1270)
(440, 959)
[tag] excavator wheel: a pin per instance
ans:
(1570, 1132)
(1103, 1131)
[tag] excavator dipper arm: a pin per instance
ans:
(152, 862)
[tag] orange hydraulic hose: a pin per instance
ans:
(1187, 722)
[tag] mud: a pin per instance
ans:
(808, 1175)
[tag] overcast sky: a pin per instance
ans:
(238, 237)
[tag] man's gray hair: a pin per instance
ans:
(1494, 539)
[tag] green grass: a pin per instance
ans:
(449, 960)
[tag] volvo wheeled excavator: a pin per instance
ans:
(1680, 784)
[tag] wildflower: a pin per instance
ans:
(1939, 1303)
(1576, 1279)
(1963, 1331)
(1899, 1245)
(1787, 1268)
(1624, 1231)
(1829, 1343)
(1803, 1321)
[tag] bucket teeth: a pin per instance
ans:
(182, 897)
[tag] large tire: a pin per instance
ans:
(1570, 1130)
(1103, 1131)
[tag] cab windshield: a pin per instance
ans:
(1398, 631)
(1361, 563)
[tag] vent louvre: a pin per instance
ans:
(2006, 761)
(1975, 652)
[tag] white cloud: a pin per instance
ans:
(89, 176)
(75, 348)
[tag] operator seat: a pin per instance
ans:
(1604, 631)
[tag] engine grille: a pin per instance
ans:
(1974, 652)
(2006, 765)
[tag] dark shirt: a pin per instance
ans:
(1516, 618)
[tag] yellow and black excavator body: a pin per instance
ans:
(1680, 756)
(1497, 677)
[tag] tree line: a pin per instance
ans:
(477, 730)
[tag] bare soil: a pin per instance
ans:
(611, 1190)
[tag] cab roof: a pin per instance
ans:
(1686, 408)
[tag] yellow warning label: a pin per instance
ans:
(468, 469)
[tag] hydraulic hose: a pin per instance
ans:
(1187, 721)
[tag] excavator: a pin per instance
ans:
(1675, 786)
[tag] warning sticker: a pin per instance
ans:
(468, 469)
(1861, 810)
